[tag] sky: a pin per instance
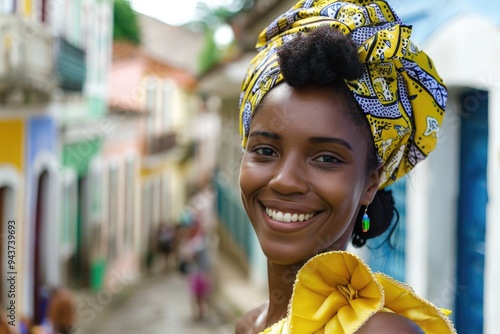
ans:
(178, 12)
(174, 12)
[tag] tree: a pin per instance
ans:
(125, 26)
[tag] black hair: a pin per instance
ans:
(381, 212)
(326, 56)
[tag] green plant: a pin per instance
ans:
(125, 26)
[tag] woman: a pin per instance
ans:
(337, 105)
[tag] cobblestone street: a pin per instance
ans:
(159, 304)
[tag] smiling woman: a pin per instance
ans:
(334, 108)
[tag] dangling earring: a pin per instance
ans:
(365, 222)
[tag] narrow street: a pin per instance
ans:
(159, 304)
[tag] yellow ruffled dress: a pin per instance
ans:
(336, 292)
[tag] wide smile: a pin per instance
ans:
(288, 217)
(288, 220)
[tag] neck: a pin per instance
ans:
(281, 279)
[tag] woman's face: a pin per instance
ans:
(303, 175)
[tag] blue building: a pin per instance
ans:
(452, 198)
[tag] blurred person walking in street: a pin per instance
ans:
(62, 311)
(60, 316)
(167, 245)
(195, 254)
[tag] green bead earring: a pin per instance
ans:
(365, 222)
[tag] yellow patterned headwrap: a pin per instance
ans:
(400, 91)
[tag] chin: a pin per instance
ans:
(286, 255)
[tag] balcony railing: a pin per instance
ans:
(235, 222)
(26, 56)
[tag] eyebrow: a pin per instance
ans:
(266, 134)
(313, 140)
(320, 140)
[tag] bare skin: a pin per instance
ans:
(389, 323)
(252, 321)
(380, 323)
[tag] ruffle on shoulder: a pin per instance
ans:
(401, 299)
(336, 292)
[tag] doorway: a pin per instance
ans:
(40, 278)
(472, 201)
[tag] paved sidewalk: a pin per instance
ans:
(158, 304)
(235, 294)
(161, 303)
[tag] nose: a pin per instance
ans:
(290, 177)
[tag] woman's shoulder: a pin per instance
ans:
(252, 320)
(387, 323)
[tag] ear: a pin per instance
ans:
(371, 185)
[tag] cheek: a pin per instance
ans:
(245, 177)
(254, 175)
(343, 192)
(251, 179)
(348, 182)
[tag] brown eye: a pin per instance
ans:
(264, 151)
(327, 159)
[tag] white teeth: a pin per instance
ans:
(288, 217)
(279, 216)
